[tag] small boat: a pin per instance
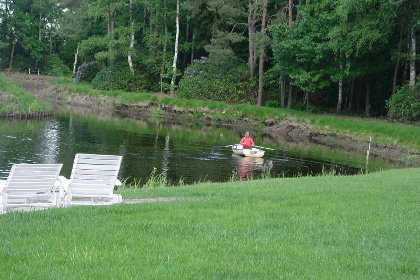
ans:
(248, 152)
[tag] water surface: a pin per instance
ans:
(177, 150)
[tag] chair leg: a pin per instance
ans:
(3, 203)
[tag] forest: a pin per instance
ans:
(350, 57)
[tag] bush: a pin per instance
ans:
(205, 79)
(273, 104)
(87, 72)
(54, 66)
(404, 105)
(117, 78)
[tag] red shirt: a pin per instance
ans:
(247, 142)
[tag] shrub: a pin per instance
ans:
(404, 105)
(54, 66)
(87, 72)
(205, 79)
(118, 78)
(273, 104)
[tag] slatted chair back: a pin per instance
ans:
(94, 175)
(30, 185)
(31, 180)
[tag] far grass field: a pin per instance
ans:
(382, 132)
(355, 227)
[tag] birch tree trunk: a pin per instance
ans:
(261, 62)
(413, 58)
(250, 42)
(397, 64)
(176, 49)
(12, 53)
(130, 61)
(76, 55)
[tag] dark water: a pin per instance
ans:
(176, 150)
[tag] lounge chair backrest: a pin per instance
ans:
(94, 174)
(32, 179)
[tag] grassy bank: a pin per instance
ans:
(13, 99)
(405, 136)
(356, 227)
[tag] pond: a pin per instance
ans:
(178, 151)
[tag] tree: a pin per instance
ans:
(176, 49)
(261, 61)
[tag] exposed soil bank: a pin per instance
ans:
(286, 131)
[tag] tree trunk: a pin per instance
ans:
(298, 13)
(289, 100)
(282, 91)
(404, 76)
(413, 57)
(151, 23)
(290, 12)
(12, 53)
(261, 62)
(250, 42)
(340, 94)
(130, 61)
(75, 58)
(187, 38)
(192, 45)
(367, 101)
(144, 26)
(397, 64)
(162, 69)
(351, 96)
(176, 49)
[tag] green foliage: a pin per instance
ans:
(156, 180)
(404, 105)
(118, 78)
(206, 79)
(54, 66)
(273, 104)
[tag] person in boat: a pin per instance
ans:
(247, 141)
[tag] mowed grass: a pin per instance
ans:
(356, 227)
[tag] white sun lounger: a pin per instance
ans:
(92, 180)
(30, 185)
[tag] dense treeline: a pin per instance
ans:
(343, 56)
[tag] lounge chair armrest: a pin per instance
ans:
(2, 184)
(64, 183)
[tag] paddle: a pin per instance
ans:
(265, 148)
(221, 147)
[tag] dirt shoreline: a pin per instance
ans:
(285, 131)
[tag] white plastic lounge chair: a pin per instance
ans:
(30, 185)
(92, 180)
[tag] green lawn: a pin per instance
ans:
(356, 227)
